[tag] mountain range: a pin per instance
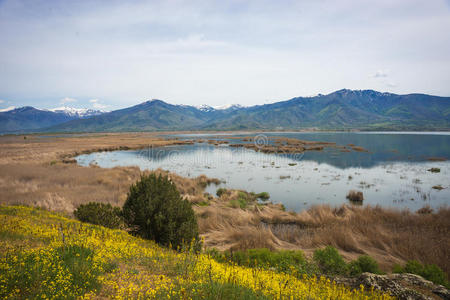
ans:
(27, 118)
(340, 110)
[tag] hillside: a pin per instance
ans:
(29, 118)
(344, 109)
(341, 110)
(46, 255)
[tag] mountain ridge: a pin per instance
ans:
(341, 110)
(28, 118)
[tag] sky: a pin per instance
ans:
(114, 54)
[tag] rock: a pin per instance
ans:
(403, 286)
(442, 292)
(386, 284)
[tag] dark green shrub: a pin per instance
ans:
(220, 192)
(435, 274)
(99, 214)
(264, 196)
(364, 263)
(155, 210)
(414, 267)
(429, 272)
(330, 261)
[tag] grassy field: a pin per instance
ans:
(38, 172)
(48, 256)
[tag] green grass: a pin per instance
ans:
(214, 290)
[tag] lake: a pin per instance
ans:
(394, 173)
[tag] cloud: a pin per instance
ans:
(67, 100)
(97, 105)
(7, 109)
(216, 52)
(380, 74)
(391, 84)
(2, 101)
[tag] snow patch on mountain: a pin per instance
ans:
(77, 112)
(8, 109)
(229, 106)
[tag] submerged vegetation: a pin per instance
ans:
(49, 256)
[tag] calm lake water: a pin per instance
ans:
(393, 174)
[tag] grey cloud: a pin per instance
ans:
(218, 52)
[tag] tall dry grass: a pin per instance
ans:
(33, 172)
(390, 236)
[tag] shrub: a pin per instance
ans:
(414, 267)
(99, 214)
(429, 272)
(364, 263)
(355, 196)
(264, 196)
(330, 261)
(155, 210)
(425, 210)
(220, 192)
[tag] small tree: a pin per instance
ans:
(155, 210)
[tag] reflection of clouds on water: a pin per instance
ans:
(314, 179)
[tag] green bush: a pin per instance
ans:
(99, 214)
(364, 263)
(220, 192)
(155, 210)
(430, 272)
(330, 261)
(414, 267)
(264, 196)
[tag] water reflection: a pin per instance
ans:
(393, 174)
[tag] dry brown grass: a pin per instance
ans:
(32, 172)
(390, 236)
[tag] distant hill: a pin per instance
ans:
(29, 118)
(346, 109)
(151, 115)
(341, 110)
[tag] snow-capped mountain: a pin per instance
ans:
(229, 106)
(28, 118)
(208, 108)
(77, 112)
(205, 108)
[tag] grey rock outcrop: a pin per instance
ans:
(403, 286)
